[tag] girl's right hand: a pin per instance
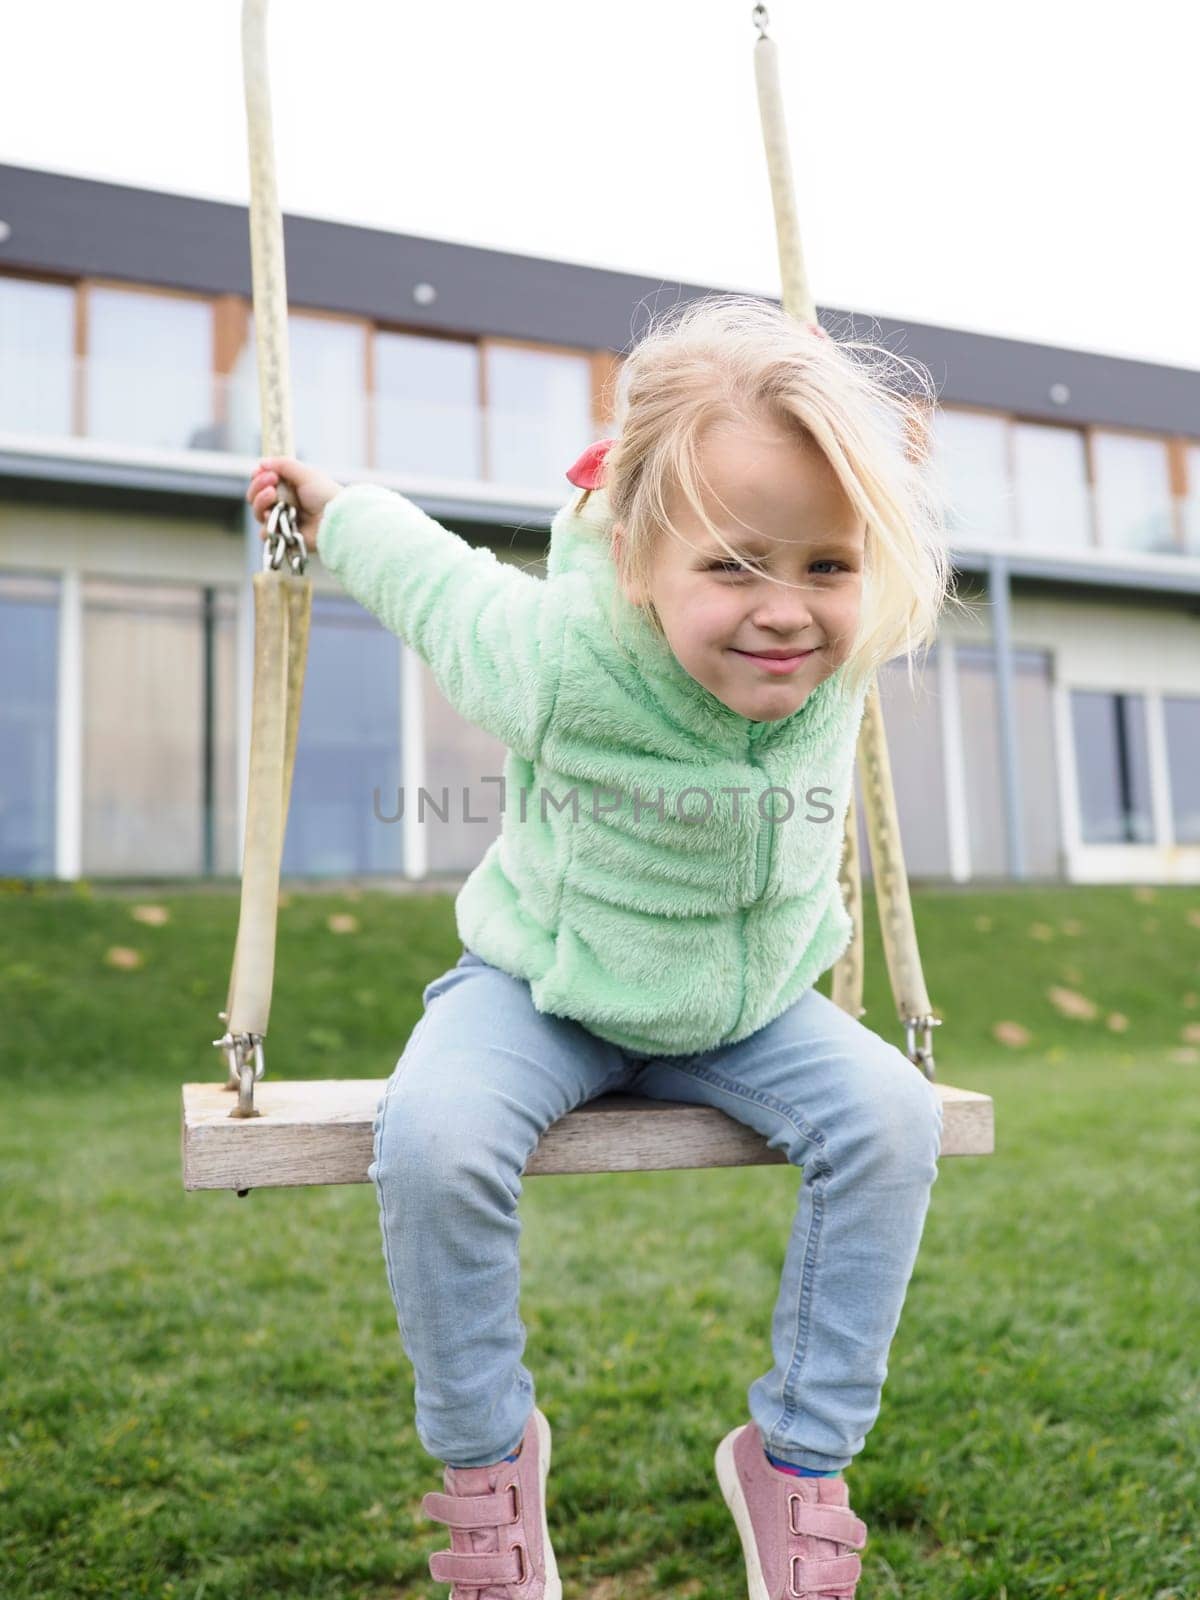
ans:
(311, 490)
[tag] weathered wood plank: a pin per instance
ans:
(318, 1132)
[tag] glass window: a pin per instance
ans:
(1133, 492)
(914, 735)
(459, 757)
(329, 385)
(160, 729)
(149, 369)
(221, 758)
(1182, 715)
(1191, 504)
(1112, 766)
(328, 365)
(37, 345)
(979, 722)
(427, 415)
(539, 415)
(1050, 464)
(143, 729)
(28, 724)
(971, 456)
(349, 747)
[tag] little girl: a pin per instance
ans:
(681, 699)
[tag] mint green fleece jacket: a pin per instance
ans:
(646, 884)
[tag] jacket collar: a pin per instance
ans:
(580, 541)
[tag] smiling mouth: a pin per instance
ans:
(776, 663)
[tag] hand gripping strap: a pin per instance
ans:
(282, 601)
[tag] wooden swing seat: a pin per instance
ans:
(319, 1132)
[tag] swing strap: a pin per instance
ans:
(282, 609)
(883, 826)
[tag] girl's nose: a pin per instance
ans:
(783, 610)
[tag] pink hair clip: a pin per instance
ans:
(588, 471)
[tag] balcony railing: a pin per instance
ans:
(132, 403)
(129, 403)
(1082, 522)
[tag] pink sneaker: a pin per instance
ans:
(499, 1543)
(798, 1534)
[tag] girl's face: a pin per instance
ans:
(722, 621)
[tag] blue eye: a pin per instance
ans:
(731, 567)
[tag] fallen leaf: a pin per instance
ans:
(1186, 1056)
(1116, 1022)
(342, 922)
(1072, 927)
(152, 916)
(1011, 1033)
(1190, 1033)
(1194, 918)
(1071, 1004)
(1144, 893)
(120, 955)
(1041, 930)
(1191, 1000)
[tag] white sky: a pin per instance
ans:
(1028, 169)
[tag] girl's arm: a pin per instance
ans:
(490, 633)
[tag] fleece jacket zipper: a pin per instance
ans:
(762, 856)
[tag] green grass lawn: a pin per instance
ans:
(207, 1397)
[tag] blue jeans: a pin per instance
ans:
(484, 1074)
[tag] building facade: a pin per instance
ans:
(1054, 733)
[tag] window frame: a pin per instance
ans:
(1149, 712)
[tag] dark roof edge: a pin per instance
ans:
(70, 226)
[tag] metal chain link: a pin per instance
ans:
(284, 538)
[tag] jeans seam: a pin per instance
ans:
(387, 1254)
(380, 1114)
(758, 1096)
(817, 1194)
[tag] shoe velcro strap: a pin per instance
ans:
(815, 1577)
(828, 1522)
(494, 1510)
(475, 1571)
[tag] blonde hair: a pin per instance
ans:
(736, 358)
